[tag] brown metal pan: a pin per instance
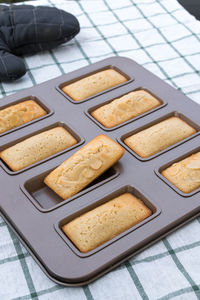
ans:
(60, 86)
(176, 114)
(91, 109)
(36, 214)
(57, 124)
(46, 107)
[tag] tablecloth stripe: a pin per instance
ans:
(181, 267)
(21, 258)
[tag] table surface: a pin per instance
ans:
(164, 38)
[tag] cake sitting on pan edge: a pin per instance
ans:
(84, 166)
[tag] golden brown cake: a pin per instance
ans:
(185, 174)
(37, 147)
(84, 166)
(18, 114)
(93, 84)
(105, 222)
(125, 108)
(160, 136)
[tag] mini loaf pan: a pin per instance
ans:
(57, 124)
(36, 214)
(165, 117)
(46, 200)
(159, 170)
(63, 84)
(40, 102)
(89, 111)
(125, 189)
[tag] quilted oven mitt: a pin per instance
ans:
(27, 29)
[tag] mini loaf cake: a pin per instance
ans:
(84, 166)
(123, 109)
(93, 84)
(18, 114)
(37, 147)
(158, 137)
(185, 174)
(105, 222)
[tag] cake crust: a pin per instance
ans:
(19, 114)
(106, 221)
(185, 174)
(84, 166)
(159, 136)
(93, 84)
(37, 147)
(125, 108)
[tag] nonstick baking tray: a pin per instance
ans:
(36, 214)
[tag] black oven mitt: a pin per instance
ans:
(27, 29)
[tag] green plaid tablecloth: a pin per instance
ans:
(164, 38)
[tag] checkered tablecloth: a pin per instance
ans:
(164, 38)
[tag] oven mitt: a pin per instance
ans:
(27, 29)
